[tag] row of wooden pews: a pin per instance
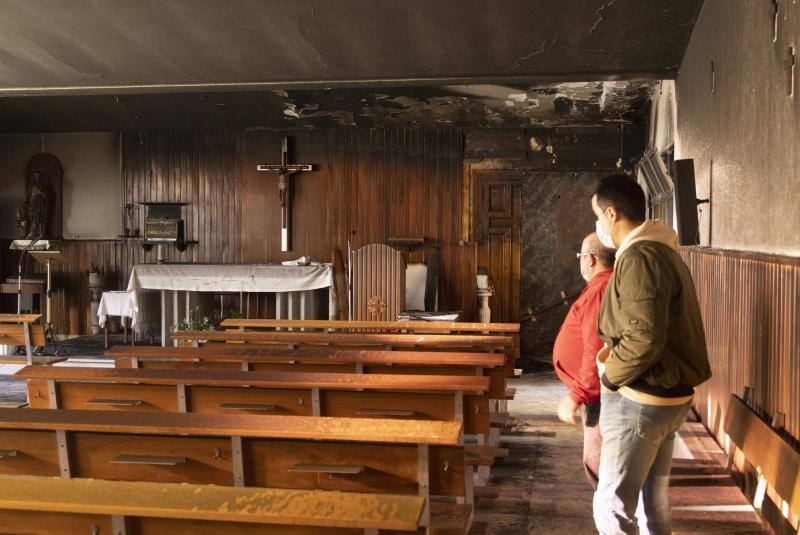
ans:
(363, 427)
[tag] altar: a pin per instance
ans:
(291, 284)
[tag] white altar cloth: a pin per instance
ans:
(235, 278)
(114, 304)
(230, 277)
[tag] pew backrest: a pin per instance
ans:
(431, 327)
(432, 342)
(321, 355)
(25, 334)
(386, 326)
(763, 447)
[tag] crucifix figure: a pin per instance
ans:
(285, 171)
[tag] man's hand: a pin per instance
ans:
(567, 409)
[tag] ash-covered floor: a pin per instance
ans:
(540, 488)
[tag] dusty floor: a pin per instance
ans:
(541, 488)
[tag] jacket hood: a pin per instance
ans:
(650, 230)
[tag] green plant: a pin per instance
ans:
(198, 321)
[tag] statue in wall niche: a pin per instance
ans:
(37, 205)
(22, 221)
(40, 214)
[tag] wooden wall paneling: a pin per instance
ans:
(751, 313)
(375, 182)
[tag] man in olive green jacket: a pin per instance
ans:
(655, 355)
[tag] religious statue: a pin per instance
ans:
(37, 205)
(23, 223)
(40, 214)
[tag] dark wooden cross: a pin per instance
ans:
(285, 171)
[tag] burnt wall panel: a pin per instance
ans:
(741, 125)
(559, 173)
(557, 215)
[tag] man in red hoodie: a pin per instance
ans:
(576, 347)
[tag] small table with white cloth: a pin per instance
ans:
(116, 304)
(292, 285)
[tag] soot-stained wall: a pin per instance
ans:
(557, 215)
(738, 121)
(559, 169)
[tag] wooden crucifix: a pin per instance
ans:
(285, 170)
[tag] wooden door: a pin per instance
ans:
(497, 204)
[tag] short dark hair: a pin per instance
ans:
(623, 193)
(604, 255)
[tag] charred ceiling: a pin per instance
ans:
(333, 63)
(481, 106)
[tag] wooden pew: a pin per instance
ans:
(426, 397)
(46, 505)
(764, 448)
(431, 342)
(322, 360)
(424, 342)
(294, 452)
(348, 340)
(22, 330)
(431, 327)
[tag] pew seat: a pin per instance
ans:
(47, 505)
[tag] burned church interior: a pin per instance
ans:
(435, 267)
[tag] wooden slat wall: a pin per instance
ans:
(367, 185)
(751, 312)
(203, 169)
(71, 296)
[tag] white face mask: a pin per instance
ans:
(604, 237)
(585, 276)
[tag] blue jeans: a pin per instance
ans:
(635, 462)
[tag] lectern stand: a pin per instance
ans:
(48, 258)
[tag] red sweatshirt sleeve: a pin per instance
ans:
(588, 380)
